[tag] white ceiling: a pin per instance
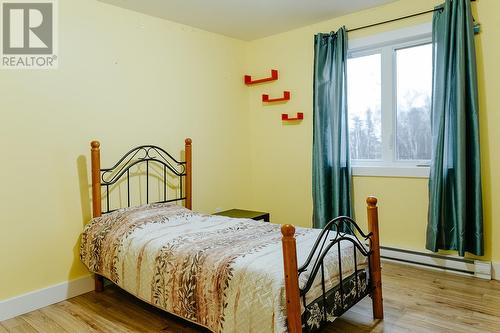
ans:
(247, 19)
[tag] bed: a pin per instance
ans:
(225, 274)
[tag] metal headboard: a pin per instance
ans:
(146, 154)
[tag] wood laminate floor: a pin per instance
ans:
(416, 300)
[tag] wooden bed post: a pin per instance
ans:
(189, 173)
(95, 154)
(291, 279)
(376, 269)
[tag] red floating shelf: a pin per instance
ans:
(285, 117)
(274, 77)
(286, 97)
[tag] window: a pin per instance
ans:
(389, 104)
(365, 127)
(413, 115)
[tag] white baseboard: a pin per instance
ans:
(449, 263)
(37, 299)
(495, 273)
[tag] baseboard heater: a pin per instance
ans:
(454, 264)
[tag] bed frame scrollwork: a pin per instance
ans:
(148, 155)
(329, 238)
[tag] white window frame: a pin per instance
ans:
(386, 44)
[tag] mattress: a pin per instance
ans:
(222, 273)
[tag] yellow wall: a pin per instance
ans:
(281, 154)
(126, 79)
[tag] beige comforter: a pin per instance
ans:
(222, 273)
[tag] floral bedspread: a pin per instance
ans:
(221, 273)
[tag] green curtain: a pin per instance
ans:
(331, 165)
(455, 199)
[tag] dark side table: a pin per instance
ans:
(245, 214)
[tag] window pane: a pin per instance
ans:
(364, 103)
(414, 86)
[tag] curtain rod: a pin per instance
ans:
(397, 19)
(393, 20)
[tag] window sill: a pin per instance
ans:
(404, 172)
